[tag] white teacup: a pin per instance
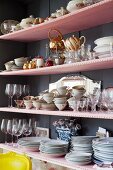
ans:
(60, 100)
(62, 90)
(36, 104)
(61, 106)
(9, 65)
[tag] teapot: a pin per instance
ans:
(56, 42)
(73, 43)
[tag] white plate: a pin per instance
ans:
(104, 40)
(102, 48)
(55, 143)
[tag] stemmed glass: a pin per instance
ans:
(18, 90)
(26, 90)
(27, 128)
(4, 128)
(94, 101)
(10, 92)
(17, 128)
(9, 128)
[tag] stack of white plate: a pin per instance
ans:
(54, 148)
(81, 150)
(103, 149)
(79, 158)
(103, 46)
(31, 143)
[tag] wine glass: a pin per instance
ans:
(9, 128)
(4, 128)
(18, 90)
(17, 129)
(27, 128)
(10, 92)
(26, 90)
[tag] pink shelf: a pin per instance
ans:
(85, 18)
(95, 64)
(97, 115)
(39, 156)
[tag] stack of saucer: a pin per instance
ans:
(54, 148)
(103, 150)
(31, 143)
(103, 47)
(81, 150)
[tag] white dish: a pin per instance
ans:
(102, 48)
(104, 40)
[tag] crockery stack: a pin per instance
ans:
(54, 148)
(31, 143)
(104, 46)
(81, 150)
(103, 150)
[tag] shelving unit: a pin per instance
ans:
(95, 64)
(87, 17)
(96, 115)
(58, 161)
(97, 14)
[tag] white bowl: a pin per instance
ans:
(73, 5)
(28, 105)
(62, 90)
(48, 99)
(61, 106)
(9, 65)
(102, 49)
(36, 104)
(104, 40)
(77, 93)
(60, 100)
(19, 63)
(20, 59)
(48, 106)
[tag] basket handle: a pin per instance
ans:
(55, 30)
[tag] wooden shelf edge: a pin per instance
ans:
(95, 115)
(99, 13)
(94, 64)
(39, 156)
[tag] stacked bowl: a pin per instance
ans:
(103, 150)
(54, 148)
(81, 150)
(104, 46)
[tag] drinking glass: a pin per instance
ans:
(10, 92)
(4, 128)
(9, 128)
(17, 128)
(26, 90)
(94, 101)
(36, 124)
(17, 90)
(27, 128)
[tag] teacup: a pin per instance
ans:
(62, 90)
(61, 106)
(60, 100)
(36, 104)
(9, 65)
(48, 106)
(48, 99)
(28, 104)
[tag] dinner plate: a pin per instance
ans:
(102, 48)
(104, 40)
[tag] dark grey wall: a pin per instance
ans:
(10, 50)
(39, 83)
